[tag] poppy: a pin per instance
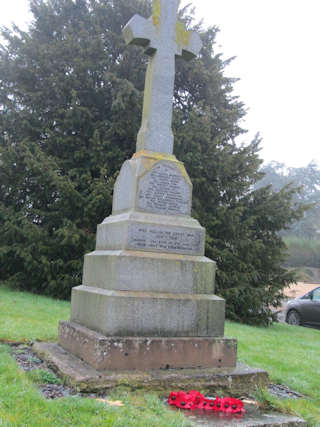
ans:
(172, 398)
(232, 406)
(217, 404)
(207, 404)
(195, 400)
(196, 397)
(181, 400)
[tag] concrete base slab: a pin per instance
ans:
(253, 417)
(138, 353)
(215, 381)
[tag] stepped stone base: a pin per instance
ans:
(141, 231)
(148, 271)
(210, 381)
(147, 314)
(138, 353)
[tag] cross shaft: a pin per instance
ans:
(163, 38)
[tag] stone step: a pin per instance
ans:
(150, 272)
(152, 314)
(253, 417)
(134, 353)
(152, 233)
(234, 382)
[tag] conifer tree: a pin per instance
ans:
(71, 100)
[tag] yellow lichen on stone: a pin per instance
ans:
(155, 156)
(148, 163)
(184, 172)
(152, 157)
(156, 12)
(183, 36)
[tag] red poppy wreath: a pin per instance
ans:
(195, 400)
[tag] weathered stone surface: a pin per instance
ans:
(215, 381)
(151, 209)
(155, 183)
(131, 353)
(164, 38)
(148, 314)
(165, 239)
(164, 190)
(150, 272)
(152, 233)
(125, 188)
(253, 417)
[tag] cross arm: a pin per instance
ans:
(139, 31)
(188, 41)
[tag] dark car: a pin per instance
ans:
(304, 310)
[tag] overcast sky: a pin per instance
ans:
(276, 43)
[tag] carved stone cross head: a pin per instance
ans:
(163, 38)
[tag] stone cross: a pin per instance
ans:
(164, 38)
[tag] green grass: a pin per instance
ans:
(43, 376)
(291, 355)
(27, 317)
(21, 404)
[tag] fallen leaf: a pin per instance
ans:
(111, 402)
(250, 402)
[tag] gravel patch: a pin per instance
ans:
(284, 392)
(25, 358)
(27, 361)
(55, 391)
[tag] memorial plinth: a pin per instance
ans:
(149, 278)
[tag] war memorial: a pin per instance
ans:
(146, 314)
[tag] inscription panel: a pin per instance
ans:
(164, 190)
(164, 239)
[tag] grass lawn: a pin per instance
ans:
(28, 317)
(290, 354)
(25, 317)
(21, 404)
